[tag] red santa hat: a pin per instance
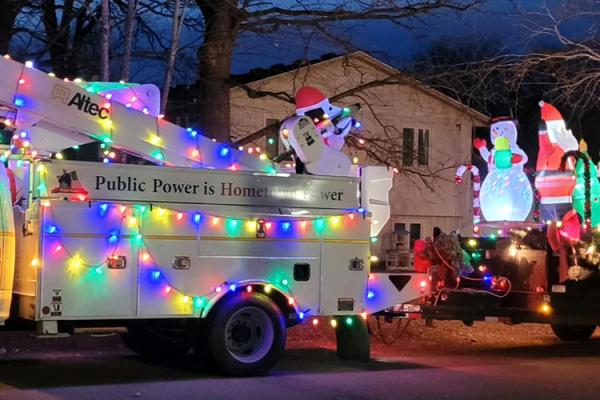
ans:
(308, 98)
(549, 112)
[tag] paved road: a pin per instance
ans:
(99, 368)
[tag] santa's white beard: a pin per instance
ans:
(561, 136)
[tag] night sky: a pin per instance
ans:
(497, 21)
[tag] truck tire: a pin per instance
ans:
(245, 335)
(156, 341)
(573, 333)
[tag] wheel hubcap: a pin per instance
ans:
(249, 334)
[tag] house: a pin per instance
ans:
(420, 131)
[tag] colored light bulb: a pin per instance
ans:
(155, 276)
(113, 238)
(319, 224)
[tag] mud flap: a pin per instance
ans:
(352, 339)
(7, 245)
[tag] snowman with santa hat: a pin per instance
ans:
(506, 193)
(316, 135)
(335, 123)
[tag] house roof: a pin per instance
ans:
(278, 71)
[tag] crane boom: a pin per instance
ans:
(60, 113)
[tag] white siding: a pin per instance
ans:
(387, 109)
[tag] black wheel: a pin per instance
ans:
(245, 335)
(157, 340)
(573, 333)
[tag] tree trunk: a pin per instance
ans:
(105, 41)
(178, 16)
(5, 34)
(76, 23)
(222, 19)
(128, 45)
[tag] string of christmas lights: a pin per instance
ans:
(156, 275)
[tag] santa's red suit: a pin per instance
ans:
(555, 187)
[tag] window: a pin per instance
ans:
(408, 146)
(415, 234)
(423, 147)
(400, 233)
(272, 144)
(399, 229)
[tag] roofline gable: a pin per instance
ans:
(386, 68)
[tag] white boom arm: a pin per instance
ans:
(61, 114)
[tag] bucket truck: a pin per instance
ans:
(195, 245)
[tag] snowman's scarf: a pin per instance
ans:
(587, 180)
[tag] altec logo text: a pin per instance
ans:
(81, 101)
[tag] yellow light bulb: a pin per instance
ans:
(251, 226)
(546, 309)
(155, 140)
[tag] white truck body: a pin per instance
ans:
(62, 270)
(90, 241)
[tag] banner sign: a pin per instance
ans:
(151, 184)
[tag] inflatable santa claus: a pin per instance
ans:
(554, 186)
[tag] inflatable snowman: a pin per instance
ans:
(506, 193)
